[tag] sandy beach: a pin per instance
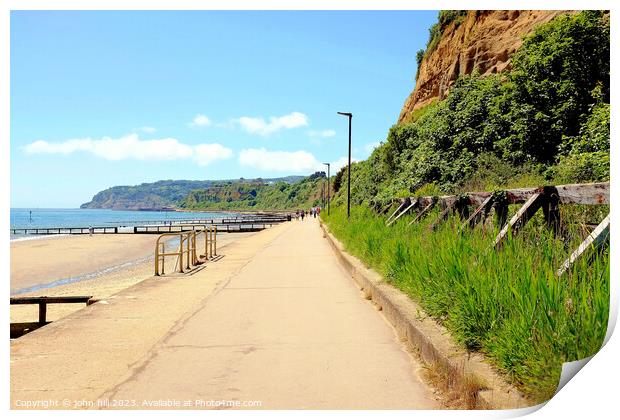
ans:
(43, 261)
(127, 259)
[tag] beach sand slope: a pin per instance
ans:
(48, 258)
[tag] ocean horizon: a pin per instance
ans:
(28, 218)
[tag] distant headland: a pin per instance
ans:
(241, 194)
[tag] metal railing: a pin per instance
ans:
(187, 254)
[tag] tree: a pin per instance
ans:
(338, 178)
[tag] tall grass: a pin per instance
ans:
(508, 304)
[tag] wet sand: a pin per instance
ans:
(43, 261)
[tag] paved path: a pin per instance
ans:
(278, 321)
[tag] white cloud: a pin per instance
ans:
(146, 129)
(267, 160)
(204, 154)
(200, 121)
(298, 162)
(322, 133)
(131, 147)
(261, 127)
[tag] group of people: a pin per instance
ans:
(313, 212)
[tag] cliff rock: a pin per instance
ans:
(484, 40)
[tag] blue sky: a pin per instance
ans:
(120, 98)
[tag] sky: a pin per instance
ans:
(106, 98)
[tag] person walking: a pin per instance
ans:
(302, 215)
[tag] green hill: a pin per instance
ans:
(257, 195)
(162, 194)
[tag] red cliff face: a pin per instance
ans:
(484, 40)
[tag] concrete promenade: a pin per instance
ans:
(276, 321)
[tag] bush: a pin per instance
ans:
(338, 178)
(434, 35)
(594, 132)
(419, 56)
(581, 167)
(494, 173)
(555, 73)
(441, 146)
(446, 17)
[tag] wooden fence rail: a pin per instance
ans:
(547, 198)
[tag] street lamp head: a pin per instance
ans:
(325, 163)
(348, 114)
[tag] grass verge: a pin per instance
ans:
(508, 304)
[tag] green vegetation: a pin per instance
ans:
(418, 113)
(258, 195)
(545, 121)
(508, 304)
(419, 56)
(157, 195)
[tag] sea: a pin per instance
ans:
(52, 218)
(63, 218)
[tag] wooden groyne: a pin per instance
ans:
(236, 224)
(64, 230)
(223, 221)
(228, 227)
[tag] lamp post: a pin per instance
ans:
(328, 165)
(348, 114)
